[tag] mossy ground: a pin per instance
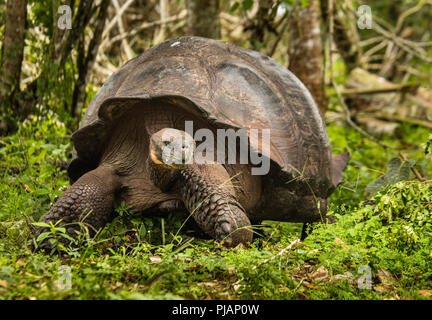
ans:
(138, 257)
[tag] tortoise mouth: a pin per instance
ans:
(171, 163)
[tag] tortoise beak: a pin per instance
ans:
(177, 158)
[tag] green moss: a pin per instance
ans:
(139, 257)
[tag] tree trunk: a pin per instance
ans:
(71, 37)
(12, 50)
(86, 62)
(261, 23)
(345, 34)
(203, 18)
(63, 43)
(305, 51)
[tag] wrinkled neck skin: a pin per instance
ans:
(162, 177)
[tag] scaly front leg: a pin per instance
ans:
(209, 194)
(89, 200)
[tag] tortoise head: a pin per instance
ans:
(171, 149)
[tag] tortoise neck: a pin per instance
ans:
(161, 176)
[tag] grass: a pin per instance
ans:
(136, 257)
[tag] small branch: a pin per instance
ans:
(373, 50)
(393, 88)
(413, 169)
(86, 63)
(371, 41)
(146, 25)
(407, 13)
(292, 245)
(163, 11)
(406, 45)
(71, 37)
(125, 45)
(392, 117)
(353, 124)
(118, 16)
(284, 26)
(338, 91)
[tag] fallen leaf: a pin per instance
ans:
(348, 276)
(115, 286)
(241, 245)
(27, 188)
(210, 284)
(341, 243)
(385, 278)
(321, 274)
(21, 261)
(425, 292)
(308, 267)
(3, 283)
(380, 288)
(155, 259)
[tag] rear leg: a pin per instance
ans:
(309, 226)
(89, 200)
(306, 230)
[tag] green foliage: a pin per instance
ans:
(428, 146)
(396, 171)
(369, 160)
(29, 167)
(406, 208)
(40, 16)
(144, 257)
(55, 235)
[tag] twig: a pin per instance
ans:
(413, 169)
(231, 19)
(392, 117)
(160, 35)
(118, 16)
(366, 56)
(281, 32)
(146, 25)
(292, 245)
(407, 13)
(372, 40)
(127, 49)
(406, 45)
(353, 124)
(336, 87)
(392, 88)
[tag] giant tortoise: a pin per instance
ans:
(124, 148)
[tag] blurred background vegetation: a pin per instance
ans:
(49, 68)
(372, 85)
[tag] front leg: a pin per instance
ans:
(89, 200)
(208, 193)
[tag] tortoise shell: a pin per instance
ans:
(230, 87)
